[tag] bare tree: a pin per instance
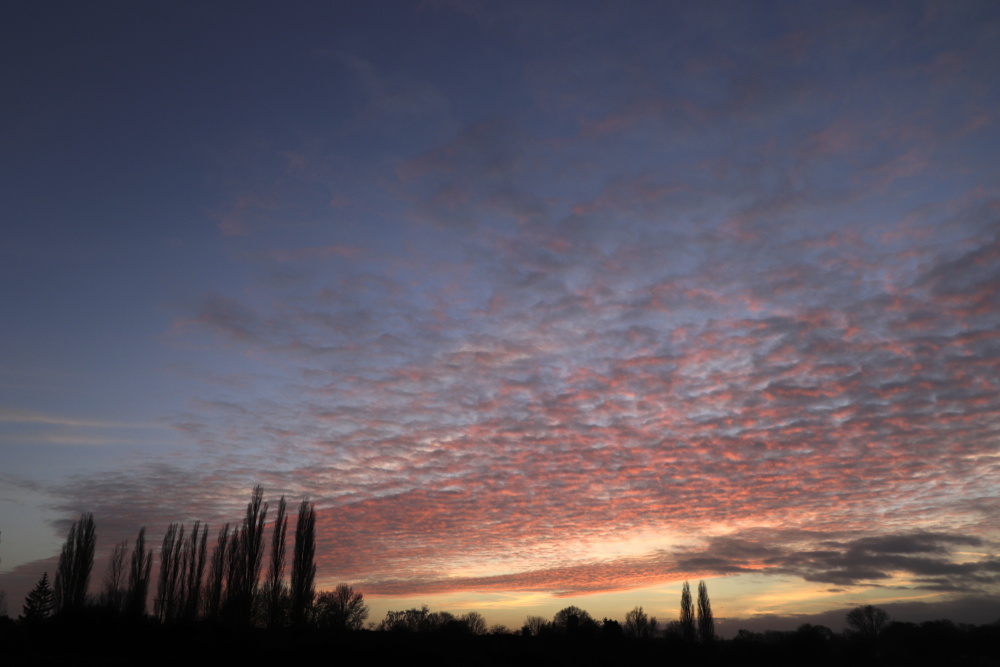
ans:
(167, 603)
(868, 621)
(410, 620)
(340, 610)
(304, 563)
(115, 579)
(75, 564)
(534, 625)
(274, 592)
(638, 625)
(687, 615)
(246, 556)
(706, 623)
(194, 566)
(217, 575)
(138, 580)
(475, 622)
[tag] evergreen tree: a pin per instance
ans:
(687, 614)
(39, 602)
(75, 563)
(303, 564)
(706, 624)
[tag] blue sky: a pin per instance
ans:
(540, 303)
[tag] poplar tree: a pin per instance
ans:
(303, 564)
(138, 578)
(275, 588)
(217, 574)
(75, 564)
(115, 579)
(687, 614)
(706, 624)
(194, 562)
(246, 553)
(171, 569)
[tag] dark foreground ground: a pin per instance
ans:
(88, 642)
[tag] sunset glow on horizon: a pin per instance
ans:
(540, 303)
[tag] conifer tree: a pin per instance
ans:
(39, 602)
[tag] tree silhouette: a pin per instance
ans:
(75, 563)
(410, 620)
(303, 563)
(706, 623)
(274, 592)
(687, 615)
(39, 602)
(138, 577)
(115, 579)
(217, 575)
(245, 560)
(340, 610)
(167, 604)
(573, 620)
(638, 625)
(244, 557)
(534, 626)
(868, 621)
(194, 568)
(475, 622)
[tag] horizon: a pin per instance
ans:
(540, 304)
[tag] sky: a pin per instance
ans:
(539, 303)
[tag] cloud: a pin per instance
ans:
(705, 288)
(18, 416)
(389, 94)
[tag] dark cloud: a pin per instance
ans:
(929, 561)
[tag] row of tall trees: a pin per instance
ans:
(704, 629)
(231, 591)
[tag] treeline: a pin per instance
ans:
(215, 596)
(224, 587)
